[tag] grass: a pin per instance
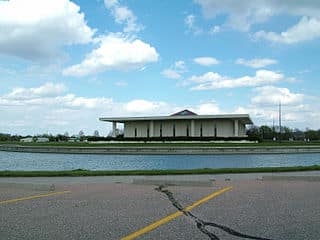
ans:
(82, 172)
(164, 144)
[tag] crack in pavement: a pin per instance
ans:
(201, 224)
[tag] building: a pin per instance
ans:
(183, 124)
(42, 139)
(27, 139)
(74, 139)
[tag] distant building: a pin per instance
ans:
(42, 139)
(74, 139)
(28, 139)
(183, 124)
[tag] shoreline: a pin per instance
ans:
(163, 150)
(82, 172)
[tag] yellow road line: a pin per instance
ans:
(33, 197)
(174, 215)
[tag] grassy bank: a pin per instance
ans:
(81, 172)
(164, 144)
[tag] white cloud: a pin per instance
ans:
(38, 110)
(73, 101)
(175, 71)
(46, 90)
(42, 70)
(51, 95)
(141, 106)
(44, 112)
(242, 15)
(298, 110)
(191, 25)
(206, 61)
(301, 115)
(69, 101)
(189, 20)
(256, 62)
(123, 15)
(121, 84)
(211, 80)
(170, 73)
(215, 29)
(270, 95)
(208, 108)
(115, 52)
(37, 29)
(111, 3)
(305, 30)
(181, 65)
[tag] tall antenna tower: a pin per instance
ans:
(280, 122)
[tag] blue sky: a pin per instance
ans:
(64, 64)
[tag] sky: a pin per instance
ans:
(64, 64)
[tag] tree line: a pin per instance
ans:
(267, 133)
(256, 133)
(52, 138)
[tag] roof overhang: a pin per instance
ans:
(245, 118)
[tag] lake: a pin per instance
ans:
(49, 161)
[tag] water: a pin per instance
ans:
(49, 161)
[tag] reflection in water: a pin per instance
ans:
(49, 161)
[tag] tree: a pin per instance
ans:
(96, 133)
(61, 137)
(4, 137)
(286, 133)
(312, 135)
(298, 134)
(266, 132)
(254, 133)
(81, 133)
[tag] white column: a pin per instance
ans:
(236, 128)
(151, 129)
(192, 128)
(114, 127)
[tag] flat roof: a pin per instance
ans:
(243, 117)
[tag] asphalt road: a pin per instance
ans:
(264, 209)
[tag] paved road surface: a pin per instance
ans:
(97, 210)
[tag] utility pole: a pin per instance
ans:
(280, 121)
(273, 131)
